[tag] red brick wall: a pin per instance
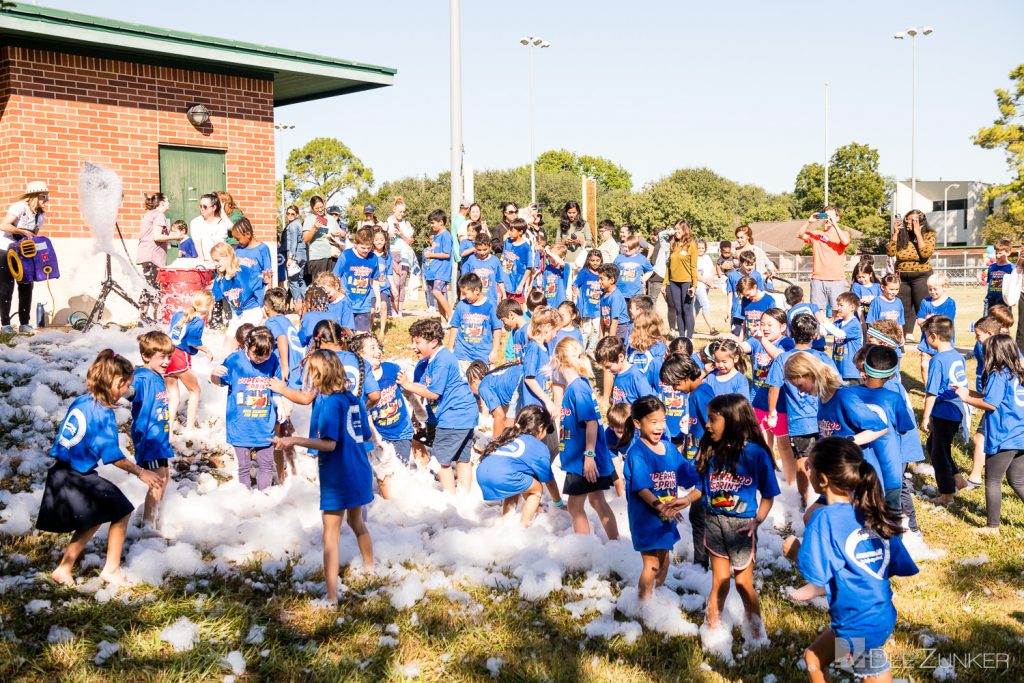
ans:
(60, 110)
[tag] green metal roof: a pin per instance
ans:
(298, 76)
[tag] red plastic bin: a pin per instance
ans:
(177, 286)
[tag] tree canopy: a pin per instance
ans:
(324, 167)
(1007, 133)
(609, 176)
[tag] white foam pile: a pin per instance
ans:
(423, 540)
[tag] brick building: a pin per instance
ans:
(76, 88)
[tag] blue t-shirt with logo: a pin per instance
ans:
(631, 273)
(630, 385)
(731, 279)
(516, 259)
(589, 301)
(761, 364)
(489, 271)
(880, 309)
(512, 468)
(751, 312)
(281, 326)
(946, 307)
(385, 267)
(853, 564)
(613, 307)
(150, 428)
(475, 325)
(187, 336)
(554, 284)
(455, 407)
(845, 415)
(894, 411)
(946, 372)
(87, 436)
(251, 413)
(1004, 426)
(818, 343)
(996, 273)
(843, 350)
(578, 408)
(649, 362)
(662, 474)
(677, 414)
(244, 291)
(439, 268)
(390, 415)
(346, 478)
(734, 494)
(357, 276)
(801, 409)
(499, 386)
(536, 364)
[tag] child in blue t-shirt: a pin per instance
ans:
(747, 262)
(474, 328)
(627, 383)
(437, 261)
(252, 253)
(518, 465)
(887, 305)
(646, 348)
(537, 386)
(571, 322)
(519, 261)
(251, 404)
(943, 409)
(385, 271)
(614, 312)
(865, 286)
(795, 300)
(151, 434)
(936, 303)
(510, 313)
(467, 243)
(450, 401)
(555, 275)
(851, 547)
(730, 366)
(76, 499)
(390, 415)
(634, 268)
(997, 271)
(286, 337)
(766, 343)
(587, 288)
(654, 471)
(583, 451)
(845, 347)
(755, 301)
(495, 388)
(338, 437)
(186, 333)
(488, 268)
(358, 270)
(735, 469)
(241, 287)
(186, 247)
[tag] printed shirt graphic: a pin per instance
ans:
(730, 284)
(649, 362)
(734, 494)
(579, 407)
(244, 291)
(946, 307)
(357, 275)
(677, 417)
(390, 415)
(87, 436)
(251, 413)
(512, 468)
(880, 309)
(475, 325)
(630, 385)
(853, 564)
(631, 272)
(613, 307)
(490, 273)
(589, 301)
(439, 269)
(187, 336)
(150, 428)
(844, 350)
(554, 285)
(946, 372)
(516, 259)
(751, 312)
(996, 273)
(662, 475)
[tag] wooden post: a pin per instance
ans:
(588, 192)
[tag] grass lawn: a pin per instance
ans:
(954, 609)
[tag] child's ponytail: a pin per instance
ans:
(642, 407)
(104, 370)
(531, 419)
(842, 462)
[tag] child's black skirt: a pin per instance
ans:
(73, 501)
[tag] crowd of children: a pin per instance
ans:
(670, 429)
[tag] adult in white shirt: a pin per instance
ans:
(23, 219)
(705, 280)
(401, 233)
(209, 227)
(745, 242)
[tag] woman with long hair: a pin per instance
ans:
(154, 235)
(682, 274)
(573, 230)
(209, 227)
(912, 244)
(317, 231)
(23, 219)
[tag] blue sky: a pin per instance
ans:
(652, 85)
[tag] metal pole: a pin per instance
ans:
(533, 152)
(945, 217)
(913, 120)
(456, 107)
(826, 143)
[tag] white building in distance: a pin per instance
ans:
(957, 224)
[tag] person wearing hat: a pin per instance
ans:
(370, 219)
(23, 219)
(461, 220)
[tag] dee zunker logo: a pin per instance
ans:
(852, 653)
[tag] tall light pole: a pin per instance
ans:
(531, 42)
(945, 213)
(913, 32)
(826, 144)
(281, 128)
(455, 31)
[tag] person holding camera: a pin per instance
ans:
(912, 244)
(573, 231)
(828, 264)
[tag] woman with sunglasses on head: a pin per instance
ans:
(23, 219)
(209, 227)
(509, 213)
(295, 254)
(912, 244)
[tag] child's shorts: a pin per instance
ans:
(894, 500)
(180, 362)
(981, 428)
(387, 301)
(722, 538)
(737, 326)
(781, 427)
(438, 287)
(851, 656)
(251, 315)
(576, 485)
(403, 449)
(802, 444)
(154, 465)
(452, 445)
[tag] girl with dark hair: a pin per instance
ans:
(385, 276)
(850, 550)
(573, 230)
(518, 463)
(654, 470)
(682, 276)
(735, 467)
(251, 252)
(912, 244)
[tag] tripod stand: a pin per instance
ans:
(110, 286)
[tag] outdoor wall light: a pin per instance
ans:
(198, 115)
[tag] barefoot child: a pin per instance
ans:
(150, 429)
(518, 463)
(76, 498)
(290, 351)
(337, 435)
(654, 472)
(186, 333)
(495, 389)
(241, 286)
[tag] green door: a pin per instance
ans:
(185, 174)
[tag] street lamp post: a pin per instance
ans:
(913, 31)
(282, 127)
(532, 42)
(945, 213)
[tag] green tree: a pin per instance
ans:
(809, 189)
(324, 167)
(1007, 133)
(609, 176)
